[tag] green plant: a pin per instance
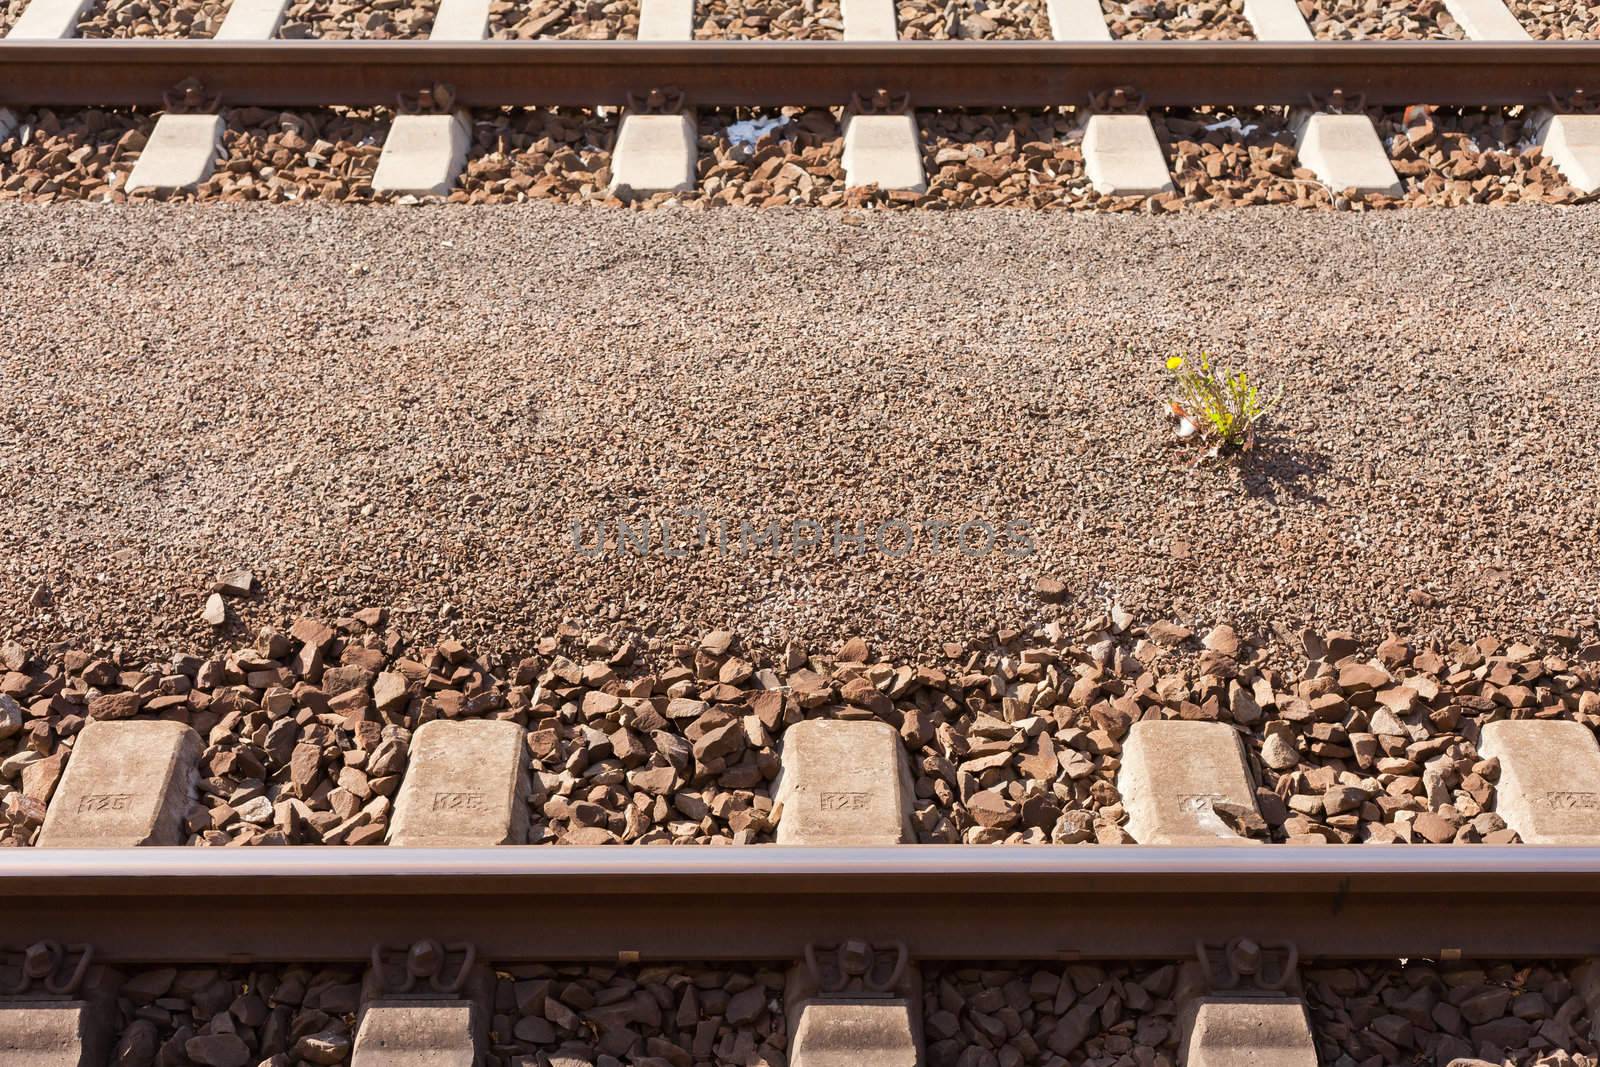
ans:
(1219, 402)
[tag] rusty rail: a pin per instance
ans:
(769, 902)
(768, 73)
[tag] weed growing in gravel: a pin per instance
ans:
(1219, 403)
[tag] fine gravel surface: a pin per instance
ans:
(1380, 20)
(1557, 20)
(187, 391)
(1194, 20)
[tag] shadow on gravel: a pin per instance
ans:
(1277, 467)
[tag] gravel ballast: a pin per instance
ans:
(1557, 20)
(636, 741)
(1086, 1014)
(792, 157)
(726, 1015)
(1508, 1012)
(564, 20)
(361, 20)
(1380, 20)
(735, 20)
(354, 445)
(1164, 20)
(153, 18)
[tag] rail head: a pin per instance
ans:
(769, 902)
(819, 73)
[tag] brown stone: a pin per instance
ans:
(115, 706)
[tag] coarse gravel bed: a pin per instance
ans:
(1380, 20)
(1384, 1012)
(722, 1015)
(1178, 20)
(1557, 20)
(791, 157)
(735, 20)
(564, 20)
(153, 18)
(352, 445)
(358, 20)
(975, 1014)
(308, 728)
(1002, 20)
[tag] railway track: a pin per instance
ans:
(1327, 91)
(1231, 929)
(853, 944)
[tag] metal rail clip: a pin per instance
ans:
(45, 970)
(879, 102)
(1576, 102)
(1242, 967)
(857, 969)
(435, 99)
(668, 101)
(1121, 100)
(189, 97)
(1338, 102)
(425, 961)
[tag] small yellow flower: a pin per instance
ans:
(1175, 363)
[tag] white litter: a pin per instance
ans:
(1234, 124)
(750, 131)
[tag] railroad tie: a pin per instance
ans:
(1342, 150)
(56, 1033)
(1277, 20)
(1120, 152)
(1229, 1031)
(846, 782)
(1487, 20)
(426, 1005)
(1570, 140)
(1185, 783)
(657, 152)
(1572, 143)
(126, 784)
(183, 148)
(882, 146)
(41, 20)
(252, 20)
(48, 20)
(1549, 787)
(180, 154)
(424, 154)
(466, 786)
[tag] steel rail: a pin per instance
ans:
(769, 902)
(771, 73)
